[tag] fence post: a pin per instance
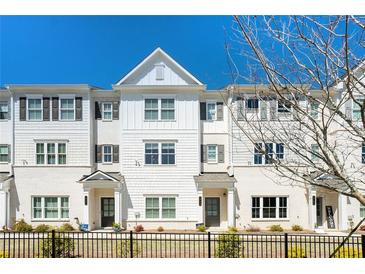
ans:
(286, 245)
(53, 240)
(363, 245)
(209, 246)
(131, 243)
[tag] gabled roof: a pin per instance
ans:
(155, 53)
(101, 175)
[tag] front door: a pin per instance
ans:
(319, 211)
(212, 212)
(107, 212)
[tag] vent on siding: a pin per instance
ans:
(160, 71)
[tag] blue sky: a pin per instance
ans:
(99, 50)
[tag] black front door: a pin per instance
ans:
(212, 212)
(107, 212)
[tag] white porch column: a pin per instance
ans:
(342, 212)
(312, 212)
(86, 211)
(231, 208)
(200, 206)
(118, 209)
(3, 209)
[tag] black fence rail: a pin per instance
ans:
(176, 245)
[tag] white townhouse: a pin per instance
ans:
(157, 149)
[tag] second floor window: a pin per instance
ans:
(212, 153)
(35, 109)
(356, 109)
(107, 154)
(314, 107)
(271, 150)
(314, 152)
(156, 153)
(252, 105)
(67, 109)
(151, 154)
(4, 111)
(283, 107)
(51, 153)
(4, 153)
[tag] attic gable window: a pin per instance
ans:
(160, 71)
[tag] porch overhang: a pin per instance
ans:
(5, 180)
(100, 179)
(214, 180)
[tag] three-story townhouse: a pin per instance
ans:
(158, 149)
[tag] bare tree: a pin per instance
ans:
(309, 89)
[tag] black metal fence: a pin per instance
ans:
(176, 245)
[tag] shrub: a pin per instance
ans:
(138, 228)
(297, 228)
(160, 229)
(276, 228)
(66, 227)
(297, 252)
(232, 229)
(201, 228)
(22, 226)
(3, 254)
(42, 228)
(116, 227)
(229, 246)
(64, 247)
(348, 252)
(252, 229)
(124, 250)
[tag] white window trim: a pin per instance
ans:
(215, 161)
(7, 112)
(102, 111)
(208, 102)
(7, 155)
(111, 152)
(159, 109)
(43, 208)
(39, 97)
(159, 143)
(160, 207)
(61, 97)
(277, 206)
(46, 153)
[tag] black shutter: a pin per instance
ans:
(46, 109)
(23, 109)
(115, 153)
(116, 110)
(97, 111)
(98, 153)
(203, 154)
(220, 153)
(219, 111)
(78, 108)
(9, 153)
(54, 108)
(203, 111)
